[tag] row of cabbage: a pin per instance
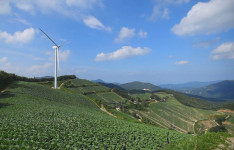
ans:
(39, 117)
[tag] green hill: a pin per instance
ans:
(100, 94)
(171, 114)
(111, 85)
(136, 85)
(192, 101)
(33, 116)
(218, 91)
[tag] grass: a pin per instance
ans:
(207, 141)
(123, 116)
(231, 119)
(111, 97)
(37, 117)
(162, 95)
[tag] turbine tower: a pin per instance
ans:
(56, 65)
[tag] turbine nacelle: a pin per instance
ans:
(54, 47)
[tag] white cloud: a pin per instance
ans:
(20, 20)
(64, 55)
(28, 55)
(172, 1)
(38, 68)
(84, 4)
(23, 21)
(25, 6)
(142, 34)
(124, 34)
(206, 18)
(5, 7)
(205, 43)
(74, 9)
(18, 37)
(182, 62)
(156, 13)
(94, 23)
(160, 10)
(165, 14)
(124, 52)
(3, 59)
(6, 67)
(224, 51)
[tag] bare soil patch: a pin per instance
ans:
(226, 110)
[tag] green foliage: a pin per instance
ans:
(221, 119)
(5, 79)
(173, 114)
(112, 86)
(156, 97)
(69, 84)
(227, 105)
(139, 86)
(207, 141)
(122, 93)
(123, 116)
(111, 98)
(137, 91)
(39, 117)
(219, 128)
(143, 96)
(192, 101)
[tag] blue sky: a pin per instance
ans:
(157, 41)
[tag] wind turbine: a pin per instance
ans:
(56, 48)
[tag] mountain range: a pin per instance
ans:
(186, 86)
(223, 90)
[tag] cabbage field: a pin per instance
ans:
(33, 116)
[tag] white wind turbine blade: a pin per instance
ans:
(58, 58)
(49, 37)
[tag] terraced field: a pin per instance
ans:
(229, 123)
(144, 96)
(96, 91)
(33, 116)
(173, 114)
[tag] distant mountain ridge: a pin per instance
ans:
(182, 87)
(98, 80)
(223, 90)
(111, 85)
(136, 85)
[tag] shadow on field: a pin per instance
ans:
(4, 105)
(16, 85)
(6, 94)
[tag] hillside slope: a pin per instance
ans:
(33, 116)
(136, 85)
(111, 85)
(223, 90)
(172, 114)
(100, 94)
